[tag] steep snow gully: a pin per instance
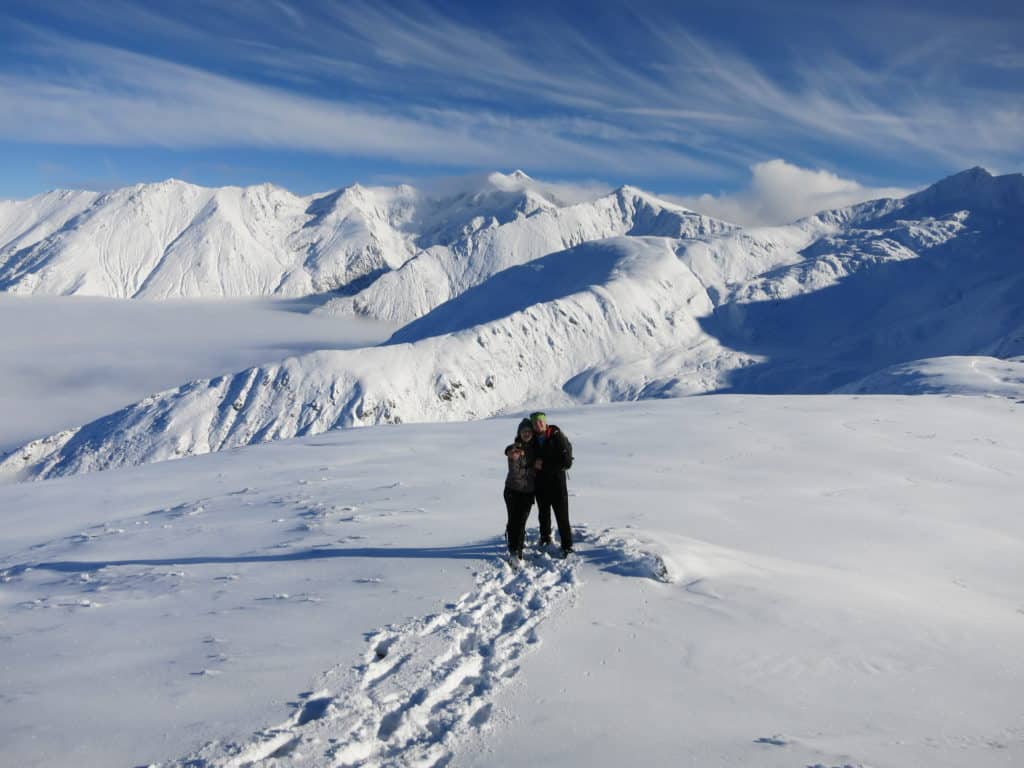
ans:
(425, 685)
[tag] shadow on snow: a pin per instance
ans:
(606, 557)
(962, 297)
(479, 551)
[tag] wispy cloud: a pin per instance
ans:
(709, 97)
(420, 85)
(837, 100)
(126, 98)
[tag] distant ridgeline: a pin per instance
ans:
(177, 240)
(510, 297)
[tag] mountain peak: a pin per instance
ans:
(627, 192)
(509, 182)
(169, 183)
(977, 172)
(972, 179)
(974, 189)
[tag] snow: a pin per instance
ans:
(25, 222)
(979, 376)
(769, 581)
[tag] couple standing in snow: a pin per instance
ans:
(537, 461)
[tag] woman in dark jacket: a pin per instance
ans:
(519, 487)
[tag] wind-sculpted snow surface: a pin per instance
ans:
(757, 554)
(638, 299)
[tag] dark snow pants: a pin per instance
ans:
(517, 504)
(552, 493)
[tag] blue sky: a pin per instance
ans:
(677, 97)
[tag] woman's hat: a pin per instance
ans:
(524, 424)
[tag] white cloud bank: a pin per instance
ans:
(780, 193)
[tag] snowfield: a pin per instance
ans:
(770, 581)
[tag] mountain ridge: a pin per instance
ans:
(173, 239)
(813, 307)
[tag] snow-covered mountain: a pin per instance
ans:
(173, 240)
(486, 245)
(931, 275)
(177, 240)
(676, 304)
(564, 317)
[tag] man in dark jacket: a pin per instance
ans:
(552, 456)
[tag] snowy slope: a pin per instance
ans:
(531, 227)
(932, 275)
(964, 375)
(25, 222)
(770, 582)
(174, 240)
(353, 235)
(113, 246)
(263, 241)
(561, 317)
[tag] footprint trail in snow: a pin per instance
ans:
(424, 685)
(421, 685)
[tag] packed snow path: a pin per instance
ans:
(424, 684)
